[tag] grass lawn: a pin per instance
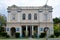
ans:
(24, 39)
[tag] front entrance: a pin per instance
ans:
(35, 31)
(29, 30)
(23, 31)
(13, 31)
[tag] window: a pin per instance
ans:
(17, 29)
(7, 29)
(41, 29)
(9, 11)
(19, 11)
(29, 16)
(13, 16)
(23, 16)
(35, 16)
(46, 16)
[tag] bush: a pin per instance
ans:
(3, 34)
(42, 35)
(33, 36)
(57, 34)
(52, 36)
(17, 35)
(7, 36)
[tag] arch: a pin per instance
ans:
(29, 16)
(35, 16)
(13, 31)
(24, 16)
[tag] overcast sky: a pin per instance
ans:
(54, 3)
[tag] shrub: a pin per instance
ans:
(3, 34)
(57, 34)
(7, 36)
(42, 35)
(33, 36)
(52, 36)
(17, 35)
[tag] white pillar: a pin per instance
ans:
(26, 30)
(20, 31)
(38, 31)
(32, 30)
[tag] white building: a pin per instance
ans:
(29, 20)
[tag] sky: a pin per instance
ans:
(54, 3)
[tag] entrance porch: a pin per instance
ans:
(29, 31)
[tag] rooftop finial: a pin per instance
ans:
(46, 2)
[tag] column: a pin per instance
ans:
(32, 30)
(20, 31)
(26, 30)
(38, 32)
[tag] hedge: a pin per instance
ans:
(17, 35)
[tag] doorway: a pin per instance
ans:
(35, 31)
(29, 31)
(23, 31)
(13, 31)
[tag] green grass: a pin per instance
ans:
(23, 39)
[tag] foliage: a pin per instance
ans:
(42, 35)
(56, 30)
(57, 34)
(52, 36)
(2, 29)
(2, 20)
(7, 36)
(17, 35)
(2, 23)
(56, 20)
(3, 34)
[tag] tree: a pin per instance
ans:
(2, 23)
(2, 20)
(56, 20)
(56, 27)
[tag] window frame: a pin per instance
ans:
(7, 29)
(46, 16)
(24, 16)
(29, 16)
(17, 29)
(41, 29)
(35, 16)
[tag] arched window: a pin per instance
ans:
(13, 16)
(23, 16)
(17, 29)
(46, 16)
(35, 16)
(29, 16)
(7, 29)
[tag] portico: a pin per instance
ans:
(29, 31)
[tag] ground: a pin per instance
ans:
(33, 39)
(23, 39)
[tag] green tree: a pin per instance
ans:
(56, 20)
(56, 30)
(56, 27)
(2, 23)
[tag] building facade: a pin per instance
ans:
(29, 20)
